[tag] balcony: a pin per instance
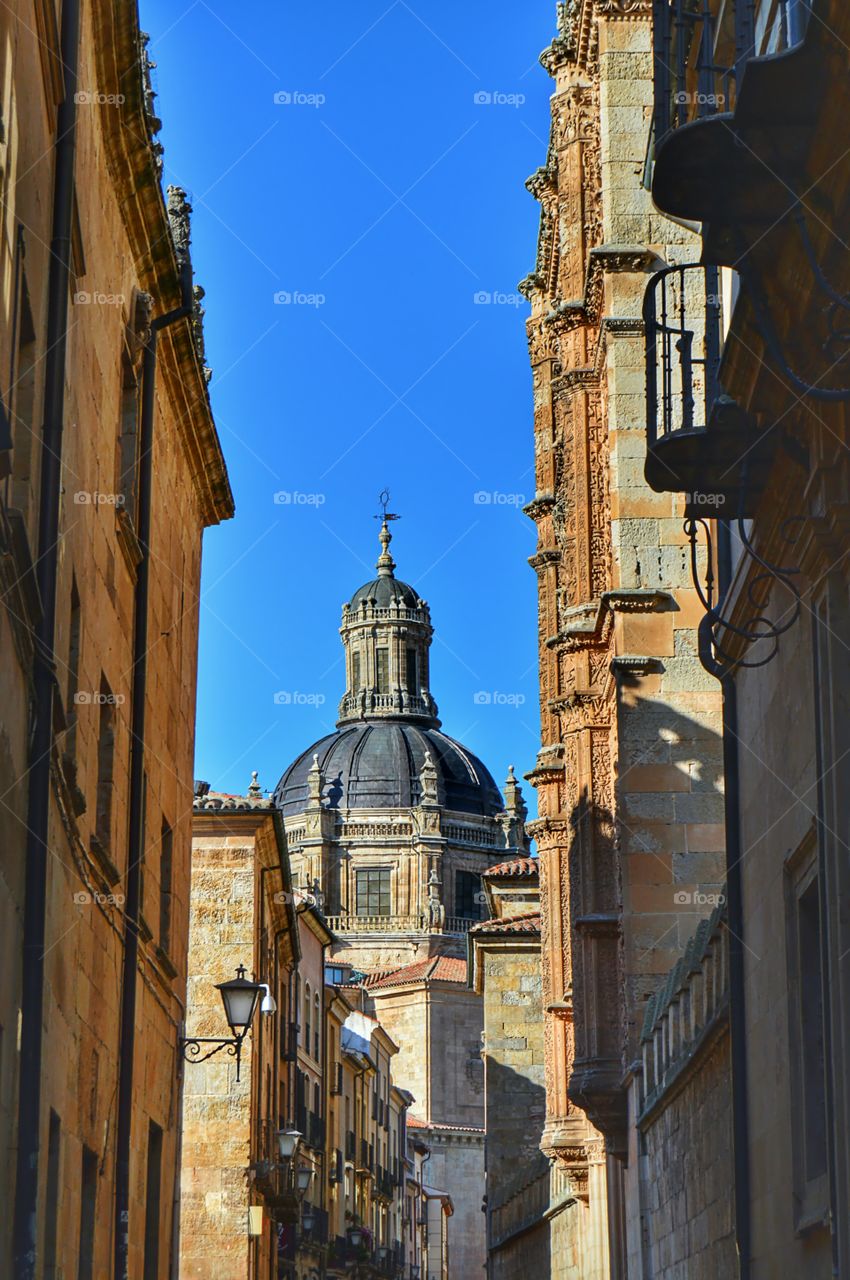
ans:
(314, 1227)
(699, 441)
(314, 1131)
(384, 1185)
(735, 98)
(272, 1179)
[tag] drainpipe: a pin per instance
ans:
(136, 833)
(25, 1220)
(735, 919)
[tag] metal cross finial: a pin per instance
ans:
(384, 499)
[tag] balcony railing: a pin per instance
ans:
(317, 1232)
(732, 109)
(703, 46)
(699, 442)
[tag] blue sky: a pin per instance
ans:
(360, 225)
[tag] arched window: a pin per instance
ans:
(317, 1028)
(307, 1011)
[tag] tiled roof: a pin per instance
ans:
(527, 923)
(520, 867)
(413, 1122)
(434, 969)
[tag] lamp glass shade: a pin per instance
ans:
(355, 1237)
(239, 997)
(305, 1177)
(287, 1142)
(308, 1220)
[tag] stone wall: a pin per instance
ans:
(513, 1066)
(689, 1187)
(216, 1110)
(456, 1165)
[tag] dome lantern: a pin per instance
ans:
(386, 631)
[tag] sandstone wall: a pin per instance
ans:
(689, 1219)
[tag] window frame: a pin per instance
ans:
(384, 892)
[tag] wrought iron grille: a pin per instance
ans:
(702, 47)
(682, 316)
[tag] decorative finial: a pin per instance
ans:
(386, 564)
(255, 791)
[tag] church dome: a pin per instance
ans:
(384, 592)
(376, 764)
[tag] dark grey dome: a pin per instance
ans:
(375, 764)
(384, 591)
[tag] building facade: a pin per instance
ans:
(630, 773)
(234, 1201)
(110, 469)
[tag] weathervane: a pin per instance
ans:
(384, 499)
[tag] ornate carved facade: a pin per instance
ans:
(629, 797)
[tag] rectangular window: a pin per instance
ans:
(88, 1209)
(51, 1215)
(166, 853)
(74, 633)
(127, 445)
(382, 670)
(153, 1207)
(105, 765)
(806, 1029)
(412, 671)
(374, 893)
(811, 1029)
(23, 405)
(468, 895)
(355, 672)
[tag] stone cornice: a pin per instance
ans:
(132, 162)
(541, 504)
(588, 625)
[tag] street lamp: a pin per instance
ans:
(287, 1143)
(239, 997)
(304, 1177)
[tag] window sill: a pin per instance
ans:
(103, 860)
(128, 542)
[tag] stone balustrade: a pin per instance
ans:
(691, 1001)
(396, 924)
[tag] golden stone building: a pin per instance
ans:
(110, 469)
(318, 1070)
(629, 776)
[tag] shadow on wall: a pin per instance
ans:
(517, 1172)
(646, 863)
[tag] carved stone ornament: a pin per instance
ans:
(624, 8)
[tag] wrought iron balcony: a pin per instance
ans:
(733, 103)
(699, 441)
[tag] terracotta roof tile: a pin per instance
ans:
(514, 867)
(413, 1122)
(527, 923)
(435, 968)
